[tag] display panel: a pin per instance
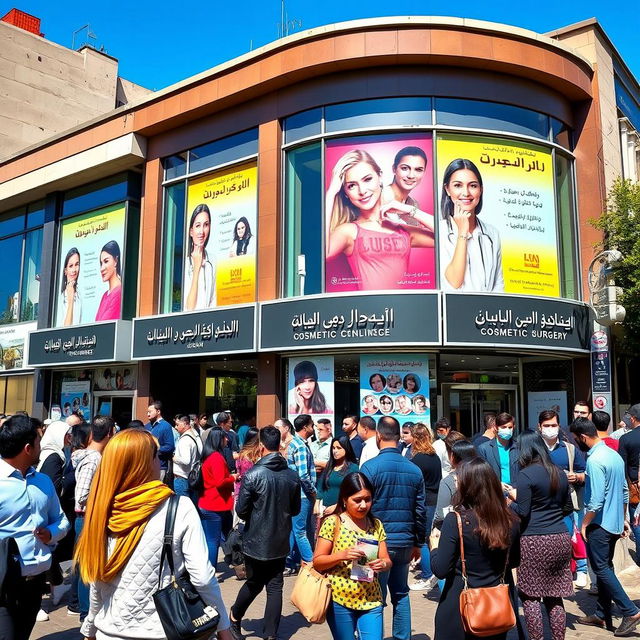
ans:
(311, 387)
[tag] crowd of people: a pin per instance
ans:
(366, 505)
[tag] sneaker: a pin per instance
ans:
(289, 572)
(628, 624)
(57, 591)
(73, 612)
(593, 589)
(581, 580)
(235, 629)
(424, 585)
(592, 621)
(42, 616)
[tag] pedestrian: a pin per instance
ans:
(489, 432)
(490, 533)
(248, 456)
(31, 514)
(126, 517)
(285, 427)
(269, 497)
(606, 498)
(541, 502)
(399, 503)
(232, 449)
(629, 450)
(243, 430)
(443, 429)
(350, 427)
(300, 460)
(367, 433)
(321, 446)
(602, 420)
(341, 463)
(216, 500)
(406, 440)
(426, 459)
(502, 453)
(357, 545)
(163, 433)
(187, 454)
(624, 426)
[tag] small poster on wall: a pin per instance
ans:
(544, 400)
(395, 385)
(76, 396)
(311, 387)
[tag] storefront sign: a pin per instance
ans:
(13, 340)
(103, 342)
(228, 330)
(539, 401)
(378, 319)
(600, 372)
(516, 321)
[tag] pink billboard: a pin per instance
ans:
(379, 213)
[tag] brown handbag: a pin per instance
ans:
(485, 611)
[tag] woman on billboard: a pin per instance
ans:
(307, 397)
(470, 253)
(200, 276)
(374, 238)
(111, 302)
(241, 237)
(71, 302)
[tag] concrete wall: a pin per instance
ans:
(46, 88)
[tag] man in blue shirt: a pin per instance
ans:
(606, 498)
(30, 513)
(163, 432)
(502, 452)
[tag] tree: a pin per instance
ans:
(620, 224)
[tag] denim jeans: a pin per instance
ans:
(216, 525)
(396, 582)
(81, 589)
(425, 555)
(600, 548)
(181, 487)
(635, 527)
(343, 622)
(301, 537)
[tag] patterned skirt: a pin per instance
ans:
(545, 566)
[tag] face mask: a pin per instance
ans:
(441, 436)
(550, 433)
(505, 434)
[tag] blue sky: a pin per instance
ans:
(159, 43)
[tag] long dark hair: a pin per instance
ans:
(349, 456)
(353, 483)
(201, 208)
(216, 440)
(72, 252)
(241, 247)
(480, 491)
(446, 206)
(533, 450)
(113, 249)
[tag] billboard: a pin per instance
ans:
(396, 385)
(379, 213)
(220, 239)
(91, 267)
(310, 387)
(497, 225)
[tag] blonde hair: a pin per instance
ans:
(421, 439)
(342, 210)
(127, 462)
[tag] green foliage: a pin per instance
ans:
(621, 226)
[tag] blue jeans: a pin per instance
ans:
(600, 548)
(81, 588)
(301, 534)
(216, 525)
(576, 519)
(343, 622)
(396, 582)
(181, 487)
(425, 555)
(635, 527)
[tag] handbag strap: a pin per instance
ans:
(167, 542)
(462, 558)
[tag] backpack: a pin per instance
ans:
(195, 479)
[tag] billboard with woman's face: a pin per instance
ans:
(310, 387)
(379, 213)
(497, 225)
(91, 267)
(220, 242)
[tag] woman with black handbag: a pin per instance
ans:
(120, 550)
(477, 561)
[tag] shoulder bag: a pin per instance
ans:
(183, 613)
(312, 591)
(485, 611)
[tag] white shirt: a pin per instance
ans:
(369, 450)
(76, 316)
(321, 451)
(188, 452)
(206, 296)
(441, 452)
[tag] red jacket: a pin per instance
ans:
(218, 484)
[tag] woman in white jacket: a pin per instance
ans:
(119, 549)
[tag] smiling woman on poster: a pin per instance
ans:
(376, 241)
(241, 237)
(71, 301)
(200, 276)
(307, 397)
(470, 253)
(111, 302)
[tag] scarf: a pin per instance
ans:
(129, 516)
(53, 442)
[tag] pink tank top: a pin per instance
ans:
(380, 260)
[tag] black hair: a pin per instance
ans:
(101, 427)
(243, 242)
(349, 456)
(134, 424)
(270, 439)
(323, 421)
(17, 432)
(533, 450)
(446, 205)
(411, 376)
(157, 405)
(113, 249)
(80, 435)
(409, 151)
(368, 423)
(72, 252)
(252, 434)
(183, 417)
(302, 421)
(582, 427)
(389, 429)
(351, 416)
(222, 418)
(287, 423)
(442, 423)
(548, 414)
(463, 450)
(354, 483)
(601, 419)
(201, 208)
(373, 375)
(216, 441)
(504, 418)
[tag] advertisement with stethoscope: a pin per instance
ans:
(497, 220)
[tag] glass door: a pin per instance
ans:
(118, 405)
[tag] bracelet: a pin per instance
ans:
(465, 237)
(413, 211)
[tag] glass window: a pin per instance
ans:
(561, 133)
(174, 207)
(95, 195)
(35, 214)
(566, 227)
(302, 125)
(19, 393)
(12, 222)
(223, 151)
(10, 263)
(491, 115)
(303, 220)
(409, 112)
(31, 276)
(175, 166)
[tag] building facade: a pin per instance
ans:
(383, 217)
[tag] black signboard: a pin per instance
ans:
(227, 330)
(482, 319)
(600, 372)
(100, 342)
(353, 320)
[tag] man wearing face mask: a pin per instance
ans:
(502, 452)
(443, 429)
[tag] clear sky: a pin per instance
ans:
(159, 43)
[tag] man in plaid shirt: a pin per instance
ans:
(300, 460)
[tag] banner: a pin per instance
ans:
(379, 213)
(396, 385)
(13, 345)
(311, 387)
(539, 401)
(120, 378)
(220, 243)
(76, 396)
(497, 225)
(91, 267)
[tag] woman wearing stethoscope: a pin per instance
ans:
(470, 254)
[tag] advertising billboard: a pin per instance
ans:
(379, 213)
(220, 242)
(310, 387)
(497, 225)
(91, 267)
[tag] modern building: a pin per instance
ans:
(386, 216)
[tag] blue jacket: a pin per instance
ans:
(398, 498)
(163, 432)
(489, 451)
